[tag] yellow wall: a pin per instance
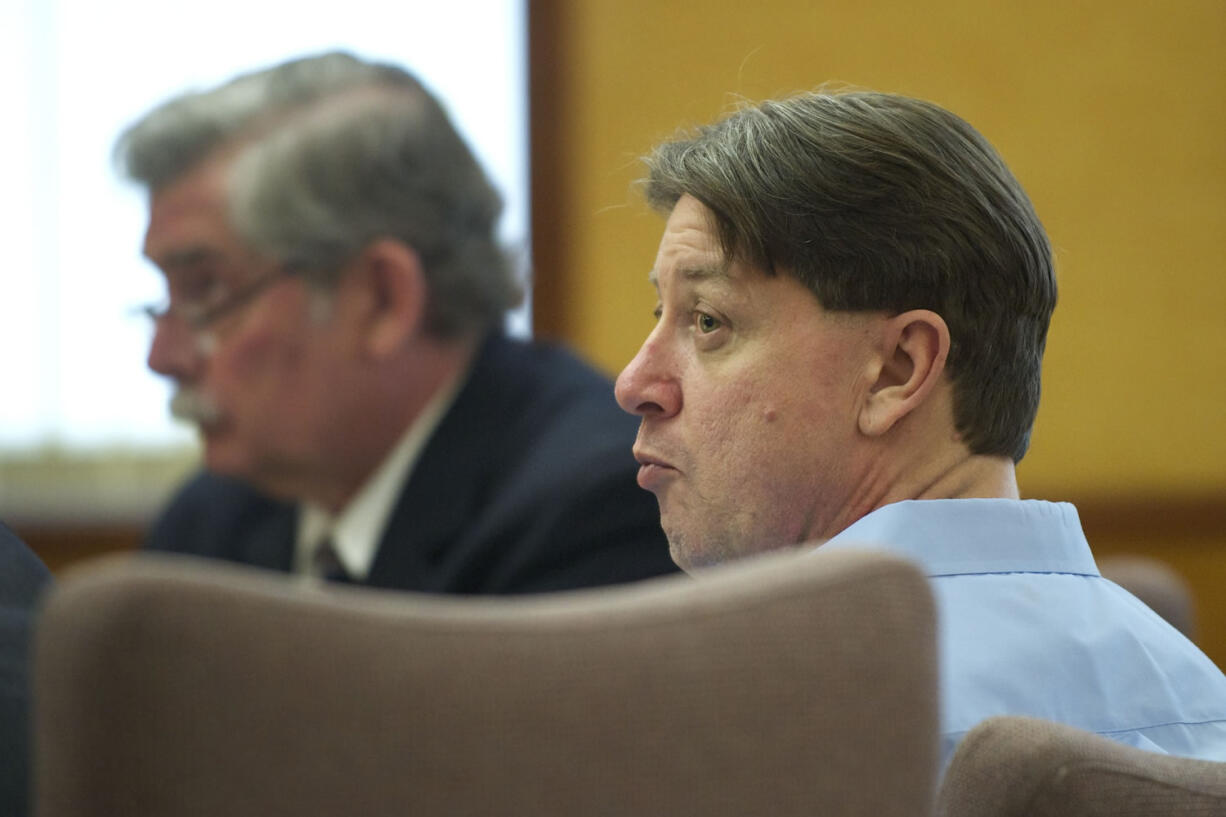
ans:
(1111, 113)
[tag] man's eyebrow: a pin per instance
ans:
(187, 257)
(700, 272)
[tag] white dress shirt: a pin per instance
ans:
(355, 531)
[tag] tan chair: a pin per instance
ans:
(785, 685)
(1012, 766)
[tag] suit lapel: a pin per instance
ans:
(451, 480)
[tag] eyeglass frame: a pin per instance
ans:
(200, 318)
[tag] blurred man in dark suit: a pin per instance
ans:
(333, 327)
(23, 577)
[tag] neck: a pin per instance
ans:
(952, 473)
(975, 477)
(378, 416)
(923, 457)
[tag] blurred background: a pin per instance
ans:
(1109, 112)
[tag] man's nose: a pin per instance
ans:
(647, 386)
(175, 350)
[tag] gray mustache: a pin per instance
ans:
(193, 406)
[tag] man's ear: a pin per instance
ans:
(394, 296)
(913, 351)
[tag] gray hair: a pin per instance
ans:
(878, 202)
(332, 153)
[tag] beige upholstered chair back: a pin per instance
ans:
(788, 685)
(1013, 766)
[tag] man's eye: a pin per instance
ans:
(197, 289)
(705, 323)
(658, 312)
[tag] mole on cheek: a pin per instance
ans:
(768, 414)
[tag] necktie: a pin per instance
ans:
(328, 565)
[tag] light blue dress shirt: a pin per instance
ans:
(1028, 626)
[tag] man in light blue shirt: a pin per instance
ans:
(854, 296)
(1029, 627)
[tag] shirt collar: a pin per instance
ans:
(961, 536)
(357, 529)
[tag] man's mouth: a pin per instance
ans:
(654, 470)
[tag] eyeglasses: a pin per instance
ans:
(200, 317)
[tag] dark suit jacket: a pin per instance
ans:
(527, 485)
(23, 577)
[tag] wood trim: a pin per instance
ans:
(546, 113)
(63, 545)
(1154, 517)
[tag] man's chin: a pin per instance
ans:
(226, 456)
(680, 545)
(695, 547)
(221, 455)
